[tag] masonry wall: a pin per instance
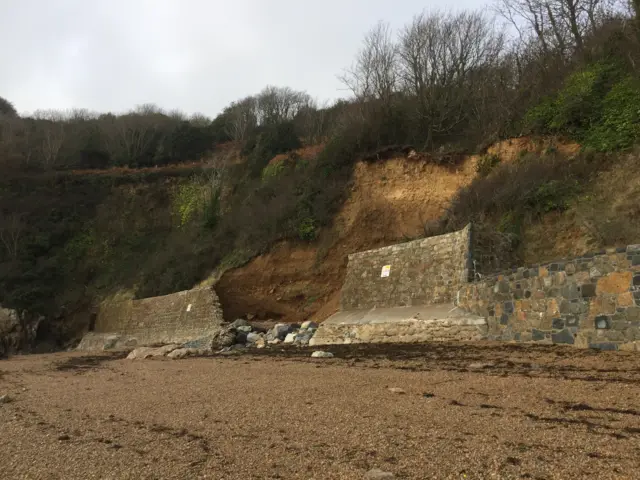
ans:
(421, 272)
(592, 301)
(177, 317)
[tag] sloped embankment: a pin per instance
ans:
(390, 202)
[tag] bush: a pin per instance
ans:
(619, 128)
(272, 140)
(486, 163)
(514, 194)
(578, 105)
(307, 229)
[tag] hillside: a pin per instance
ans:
(533, 141)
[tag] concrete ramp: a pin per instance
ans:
(443, 322)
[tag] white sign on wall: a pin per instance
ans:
(386, 270)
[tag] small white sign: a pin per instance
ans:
(189, 308)
(386, 270)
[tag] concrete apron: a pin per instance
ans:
(443, 322)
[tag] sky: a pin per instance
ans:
(196, 56)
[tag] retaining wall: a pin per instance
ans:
(421, 272)
(591, 301)
(175, 318)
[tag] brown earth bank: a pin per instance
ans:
(389, 202)
(468, 411)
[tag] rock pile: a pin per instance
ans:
(233, 338)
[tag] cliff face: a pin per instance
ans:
(390, 202)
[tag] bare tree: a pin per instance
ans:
(279, 104)
(556, 24)
(312, 122)
(374, 74)
(438, 55)
(129, 137)
(51, 132)
(241, 117)
(11, 230)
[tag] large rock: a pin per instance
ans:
(140, 353)
(240, 322)
(279, 332)
(149, 352)
(303, 337)
(321, 354)
(308, 324)
(182, 353)
(290, 338)
(223, 338)
(253, 338)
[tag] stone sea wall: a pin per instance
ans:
(422, 272)
(591, 301)
(175, 318)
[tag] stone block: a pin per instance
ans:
(614, 283)
(563, 337)
(588, 290)
(537, 335)
(625, 300)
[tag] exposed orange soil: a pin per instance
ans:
(389, 203)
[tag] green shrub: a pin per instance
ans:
(272, 140)
(486, 163)
(578, 104)
(619, 128)
(272, 170)
(307, 230)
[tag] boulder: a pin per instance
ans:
(164, 350)
(140, 353)
(308, 324)
(223, 338)
(148, 352)
(244, 328)
(290, 338)
(240, 322)
(321, 354)
(241, 337)
(182, 353)
(279, 332)
(304, 336)
(253, 338)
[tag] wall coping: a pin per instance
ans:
(629, 250)
(410, 244)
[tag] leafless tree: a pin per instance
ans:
(241, 117)
(279, 104)
(128, 137)
(200, 120)
(11, 230)
(438, 55)
(51, 132)
(312, 122)
(557, 24)
(374, 74)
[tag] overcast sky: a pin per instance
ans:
(191, 55)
